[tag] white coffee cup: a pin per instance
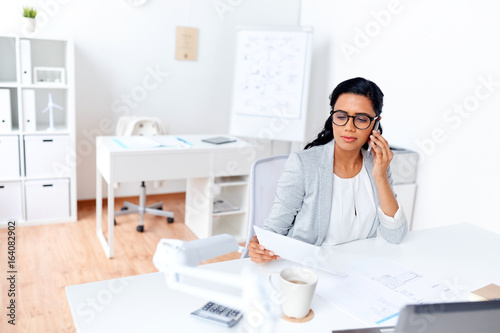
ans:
(297, 286)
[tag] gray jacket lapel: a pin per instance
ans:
(325, 179)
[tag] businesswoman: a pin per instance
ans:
(335, 190)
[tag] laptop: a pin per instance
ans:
(460, 317)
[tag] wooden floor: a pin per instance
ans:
(51, 257)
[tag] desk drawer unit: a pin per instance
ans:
(144, 167)
(47, 199)
(234, 163)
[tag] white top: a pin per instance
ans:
(353, 209)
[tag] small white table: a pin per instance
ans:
(201, 164)
(463, 255)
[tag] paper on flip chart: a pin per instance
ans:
(296, 251)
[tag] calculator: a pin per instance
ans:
(218, 314)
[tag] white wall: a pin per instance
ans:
(117, 48)
(431, 59)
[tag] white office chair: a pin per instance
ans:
(142, 126)
(264, 178)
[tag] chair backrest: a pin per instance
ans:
(264, 177)
(130, 125)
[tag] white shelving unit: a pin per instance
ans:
(201, 195)
(233, 190)
(37, 164)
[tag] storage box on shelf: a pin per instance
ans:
(37, 131)
(47, 199)
(10, 200)
(9, 160)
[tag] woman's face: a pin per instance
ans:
(348, 137)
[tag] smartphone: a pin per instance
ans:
(375, 127)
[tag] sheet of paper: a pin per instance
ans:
(376, 290)
(139, 141)
(296, 251)
(170, 141)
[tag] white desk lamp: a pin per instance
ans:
(178, 260)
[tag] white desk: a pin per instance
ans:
(202, 164)
(461, 254)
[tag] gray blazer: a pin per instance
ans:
(303, 200)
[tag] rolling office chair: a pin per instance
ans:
(264, 178)
(142, 126)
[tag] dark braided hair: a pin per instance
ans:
(357, 86)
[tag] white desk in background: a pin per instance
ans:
(462, 254)
(202, 164)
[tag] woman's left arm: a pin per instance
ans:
(393, 223)
(382, 157)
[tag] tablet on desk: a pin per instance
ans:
(219, 140)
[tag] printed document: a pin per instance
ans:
(296, 251)
(376, 290)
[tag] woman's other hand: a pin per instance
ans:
(258, 253)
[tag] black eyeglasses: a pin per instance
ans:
(361, 121)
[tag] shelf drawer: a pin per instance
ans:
(9, 156)
(47, 199)
(46, 155)
(10, 201)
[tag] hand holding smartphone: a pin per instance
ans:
(375, 128)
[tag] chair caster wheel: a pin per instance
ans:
(114, 221)
(160, 208)
(170, 219)
(124, 208)
(140, 228)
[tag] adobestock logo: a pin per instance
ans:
(456, 115)
(223, 6)
(372, 29)
(140, 92)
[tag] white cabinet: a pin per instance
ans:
(37, 131)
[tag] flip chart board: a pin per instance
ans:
(271, 81)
